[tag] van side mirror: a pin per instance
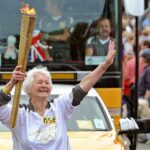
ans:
(130, 125)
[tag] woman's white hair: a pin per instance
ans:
(31, 75)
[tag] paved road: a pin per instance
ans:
(140, 146)
(143, 146)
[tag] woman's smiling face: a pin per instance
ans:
(41, 87)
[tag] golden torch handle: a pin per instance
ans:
(26, 33)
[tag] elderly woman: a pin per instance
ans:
(41, 124)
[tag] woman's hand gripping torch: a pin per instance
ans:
(28, 19)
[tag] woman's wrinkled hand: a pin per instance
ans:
(17, 75)
(111, 52)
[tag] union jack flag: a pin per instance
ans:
(36, 51)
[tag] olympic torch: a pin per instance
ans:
(28, 20)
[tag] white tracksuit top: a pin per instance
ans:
(33, 132)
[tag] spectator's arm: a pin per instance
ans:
(89, 51)
(60, 37)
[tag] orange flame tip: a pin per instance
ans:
(27, 10)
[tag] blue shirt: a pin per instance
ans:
(144, 82)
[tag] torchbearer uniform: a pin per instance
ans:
(34, 132)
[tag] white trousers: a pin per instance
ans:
(143, 109)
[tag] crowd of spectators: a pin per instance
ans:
(129, 63)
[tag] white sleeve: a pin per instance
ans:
(5, 113)
(64, 105)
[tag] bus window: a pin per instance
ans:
(9, 18)
(65, 28)
(75, 19)
(83, 11)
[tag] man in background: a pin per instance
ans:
(97, 45)
(144, 92)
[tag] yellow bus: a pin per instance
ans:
(68, 63)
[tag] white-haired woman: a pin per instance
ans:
(32, 130)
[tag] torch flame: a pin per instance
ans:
(27, 10)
